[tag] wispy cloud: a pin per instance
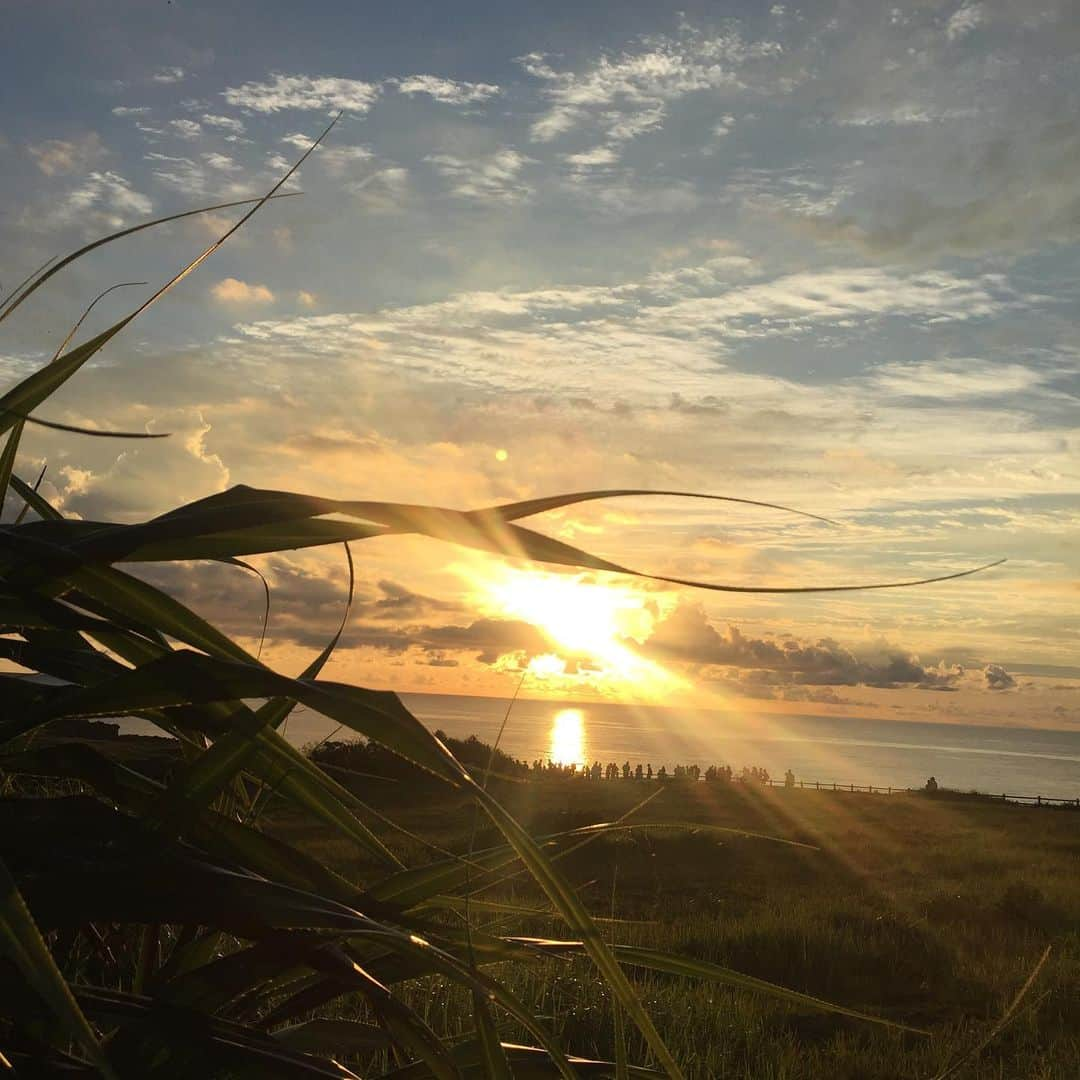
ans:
(303, 92)
(628, 93)
(490, 178)
(223, 123)
(446, 90)
(59, 156)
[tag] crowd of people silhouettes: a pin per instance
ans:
(613, 771)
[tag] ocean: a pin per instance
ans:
(830, 749)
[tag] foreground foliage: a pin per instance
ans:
(150, 926)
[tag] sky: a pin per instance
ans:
(818, 254)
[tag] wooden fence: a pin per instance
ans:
(877, 789)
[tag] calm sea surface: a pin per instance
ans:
(843, 750)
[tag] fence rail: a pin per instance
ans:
(878, 789)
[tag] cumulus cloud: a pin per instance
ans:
(234, 291)
(303, 92)
(446, 90)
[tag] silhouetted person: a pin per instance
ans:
(626, 770)
(931, 785)
(648, 771)
(789, 779)
(662, 774)
(639, 773)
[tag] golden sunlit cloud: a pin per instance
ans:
(590, 621)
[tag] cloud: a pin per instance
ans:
(491, 178)
(168, 75)
(382, 191)
(307, 299)
(186, 129)
(304, 92)
(957, 379)
(598, 155)
(636, 340)
(181, 173)
(1008, 190)
(221, 162)
(116, 487)
(997, 678)
(446, 90)
(490, 638)
(59, 156)
(131, 110)
(222, 123)
(965, 19)
(104, 198)
(233, 291)
(687, 635)
(629, 92)
(335, 159)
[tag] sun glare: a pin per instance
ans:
(568, 737)
(591, 624)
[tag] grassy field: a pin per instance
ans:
(928, 911)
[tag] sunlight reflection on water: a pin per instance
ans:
(568, 737)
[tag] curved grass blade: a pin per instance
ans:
(672, 964)
(339, 1036)
(191, 532)
(26, 505)
(40, 276)
(23, 398)
(1001, 1023)
(99, 433)
(26, 280)
(21, 940)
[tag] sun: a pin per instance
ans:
(592, 623)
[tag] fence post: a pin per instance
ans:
(1038, 800)
(817, 785)
(890, 790)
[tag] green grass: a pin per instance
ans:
(930, 912)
